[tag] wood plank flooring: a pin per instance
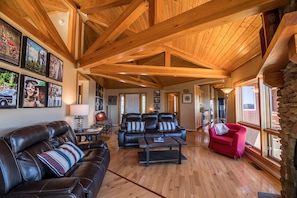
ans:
(204, 174)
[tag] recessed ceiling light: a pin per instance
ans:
(61, 21)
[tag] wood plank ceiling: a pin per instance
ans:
(147, 43)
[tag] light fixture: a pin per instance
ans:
(226, 91)
(61, 21)
(79, 110)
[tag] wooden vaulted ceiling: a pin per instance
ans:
(147, 43)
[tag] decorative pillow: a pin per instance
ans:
(166, 126)
(135, 126)
(221, 128)
(60, 160)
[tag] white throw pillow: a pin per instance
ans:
(221, 128)
(135, 126)
(166, 126)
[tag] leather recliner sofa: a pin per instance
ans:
(23, 174)
(127, 138)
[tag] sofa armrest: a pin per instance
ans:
(239, 139)
(183, 131)
(121, 137)
(54, 187)
(92, 144)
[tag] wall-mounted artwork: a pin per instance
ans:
(8, 88)
(187, 98)
(54, 95)
(55, 68)
(10, 43)
(34, 57)
(112, 100)
(33, 92)
(99, 90)
(98, 104)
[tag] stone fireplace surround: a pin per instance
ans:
(288, 120)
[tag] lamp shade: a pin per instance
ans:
(79, 109)
(227, 90)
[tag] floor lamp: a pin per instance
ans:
(226, 91)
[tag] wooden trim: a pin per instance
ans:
(253, 126)
(268, 165)
(271, 131)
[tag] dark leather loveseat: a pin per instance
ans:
(23, 174)
(151, 127)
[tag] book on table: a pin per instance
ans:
(158, 139)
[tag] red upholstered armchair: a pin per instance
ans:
(231, 143)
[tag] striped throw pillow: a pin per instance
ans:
(135, 126)
(60, 160)
(166, 126)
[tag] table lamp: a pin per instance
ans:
(79, 110)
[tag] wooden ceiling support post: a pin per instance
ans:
(292, 49)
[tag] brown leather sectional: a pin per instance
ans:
(22, 174)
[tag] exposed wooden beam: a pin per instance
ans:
(152, 8)
(292, 49)
(187, 22)
(73, 17)
(38, 15)
(189, 58)
(131, 13)
(92, 6)
(55, 5)
(276, 55)
(130, 80)
(167, 58)
(5, 9)
(160, 71)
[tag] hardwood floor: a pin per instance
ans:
(204, 174)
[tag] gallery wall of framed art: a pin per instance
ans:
(22, 89)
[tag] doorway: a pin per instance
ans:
(173, 104)
(132, 103)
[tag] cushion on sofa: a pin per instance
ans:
(166, 126)
(221, 128)
(135, 126)
(60, 160)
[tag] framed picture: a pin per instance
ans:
(55, 67)
(10, 43)
(33, 92)
(112, 100)
(157, 106)
(34, 57)
(156, 99)
(99, 90)
(187, 98)
(54, 95)
(156, 92)
(8, 88)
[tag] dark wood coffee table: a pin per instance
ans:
(148, 156)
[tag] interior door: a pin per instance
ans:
(173, 104)
(132, 103)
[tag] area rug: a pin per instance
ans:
(268, 195)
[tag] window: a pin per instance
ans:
(257, 110)
(274, 118)
(248, 113)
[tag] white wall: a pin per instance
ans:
(14, 118)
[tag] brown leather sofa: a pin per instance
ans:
(23, 174)
(151, 121)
